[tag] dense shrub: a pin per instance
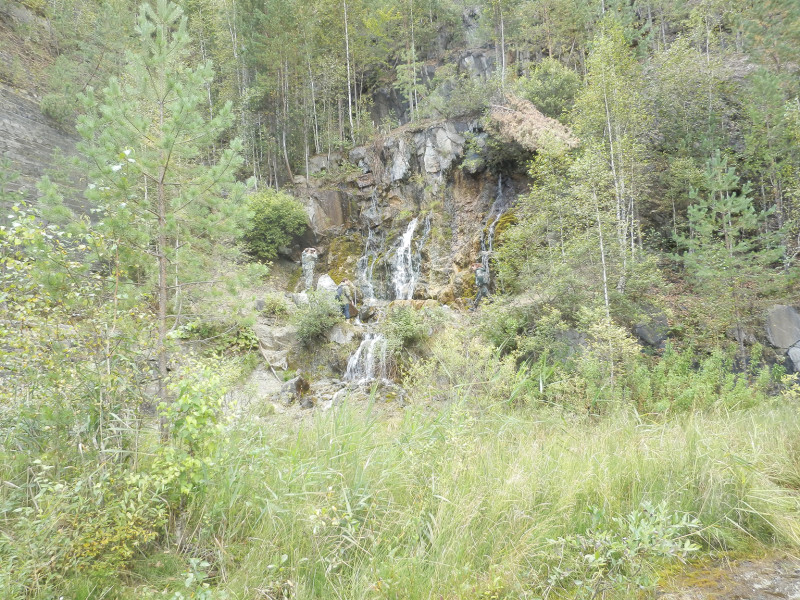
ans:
(551, 87)
(277, 219)
(403, 327)
(317, 317)
(456, 95)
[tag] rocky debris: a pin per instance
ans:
(783, 331)
(764, 579)
(332, 392)
(29, 139)
(783, 326)
(294, 390)
(653, 330)
(300, 299)
(326, 208)
(439, 147)
(343, 333)
(367, 312)
(275, 337)
(415, 304)
(324, 162)
(477, 64)
(326, 282)
(399, 158)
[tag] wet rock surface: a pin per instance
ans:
(757, 579)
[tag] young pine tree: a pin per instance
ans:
(728, 252)
(158, 175)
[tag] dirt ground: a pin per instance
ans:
(755, 579)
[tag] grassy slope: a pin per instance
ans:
(465, 503)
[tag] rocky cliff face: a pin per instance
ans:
(30, 140)
(407, 215)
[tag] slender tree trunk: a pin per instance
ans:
(503, 53)
(602, 252)
(162, 296)
(349, 84)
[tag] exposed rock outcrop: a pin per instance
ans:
(783, 332)
(29, 140)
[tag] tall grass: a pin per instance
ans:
(466, 503)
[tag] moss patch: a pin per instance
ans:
(343, 254)
(294, 279)
(507, 220)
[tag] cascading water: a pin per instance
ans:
(408, 260)
(366, 265)
(499, 207)
(368, 363)
(403, 265)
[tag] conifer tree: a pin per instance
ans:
(144, 137)
(724, 251)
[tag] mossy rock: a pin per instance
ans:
(508, 219)
(343, 254)
(294, 279)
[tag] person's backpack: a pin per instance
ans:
(482, 277)
(339, 292)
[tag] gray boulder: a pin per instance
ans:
(326, 282)
(294, 390)
(653, 330)
(783, 326)
(342, 333)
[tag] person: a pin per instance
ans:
(481, 283)
(309, 260)
(346, 295)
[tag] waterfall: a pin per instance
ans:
(408, 260)
(366, 265)
(369, 361)
(499, 207)
(404, 266)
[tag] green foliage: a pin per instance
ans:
(219, 337)
(195, 584)
(403, 327)
(616, 559)
(58, 108)
(275, 305)
(277, 219)
(682, 381)
(551, 87)
(723, 254)
(456, 95)
(195, 424)
(316, 318)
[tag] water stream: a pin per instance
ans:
(366, 265)
(408, 259)
(499, 208)
(368, 363)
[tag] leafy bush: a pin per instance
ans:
(317, 317)
(58, 108)
(194, 421)
(616, 558)
(403, 327)
(277, 219)
(218, 337)
(455, 95)
(274, 305)
(551, 87)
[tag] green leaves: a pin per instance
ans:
(276, 220)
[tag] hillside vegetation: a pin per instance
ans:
(614, 414)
